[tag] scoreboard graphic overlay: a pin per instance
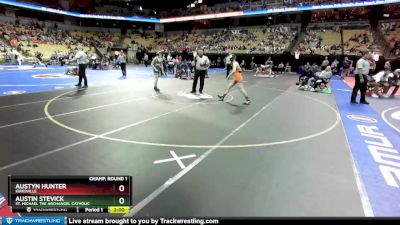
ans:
(75, 194)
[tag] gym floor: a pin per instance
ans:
(286, 154)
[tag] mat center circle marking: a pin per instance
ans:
(337, 121)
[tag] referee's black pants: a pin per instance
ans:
(123, 69)
(359, 86)
(202, 75)
(82, 74)
(228, 69)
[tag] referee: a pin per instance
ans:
(82, 60)
(201, 64)
(361, 78)
(122, 62)
(228, 64)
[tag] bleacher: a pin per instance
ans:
(330, 38)
(325, 39)
(3, 44)
(391, 32)
(48, 49)
(393, 36)
(98, 36)
(146, 42)
(312, 42)
(242, 40)
(357, 46)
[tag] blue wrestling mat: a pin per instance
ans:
(16, 79)
(375, 149)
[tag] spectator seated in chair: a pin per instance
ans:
(288, 68)
(183, 70)
(72, 71)
(280, 68)
(382, 82)
(170, 66)
(320, 79)
(304, 77)
(104, 64)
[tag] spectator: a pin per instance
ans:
(281, 67)
(334, 66)
(288, 68)
(324, 75)
(219, 62)
(346, 67)
(325, 63)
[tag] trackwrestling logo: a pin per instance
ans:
(361, 118)
(51, 76)
(33, 220)
(16, 92)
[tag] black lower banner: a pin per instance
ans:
(203, 221)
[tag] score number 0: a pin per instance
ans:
(121, 200)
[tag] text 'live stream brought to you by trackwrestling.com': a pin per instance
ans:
(105, 221)
(131, 221)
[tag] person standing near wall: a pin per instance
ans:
(122, 62)
(146, 59)
(325, 63)
(346, 67)
(219, 62)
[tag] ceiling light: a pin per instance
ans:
(200, 1)
(192, 5)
